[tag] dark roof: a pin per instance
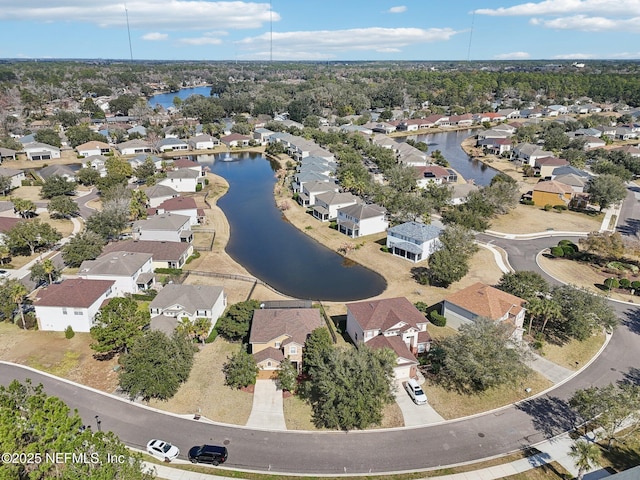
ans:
(383, 314)
(75, 292)
(394, 343)
(178, 203)
(297, 323)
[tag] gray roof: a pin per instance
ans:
(161, 251)
(336, 198)
(320, 186)
(569, 169)
(363, 210)
(416, 231)
(165, 221)
(157, 191)
(117, 263)
(189, 297)
(183, 173)
(60, 170)
(572, 179)
(164, 324)
(10, 172)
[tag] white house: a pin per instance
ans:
(182, 206)
(73, 302)
(93, 148)
(362, 219)
(309, 191)
(176, 302)
(16, 176)
(41, 151)
(165, 227)
(133, 147)
(164, 254)
(172, 144)
(413, 241)
(328, 203)
(204, 142)
(182, 180)
(159, 193)
(131, 272)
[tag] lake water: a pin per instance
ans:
(166, 99)
(449, 144)
(275, 251)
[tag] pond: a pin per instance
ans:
(275, 251)
(166, 99)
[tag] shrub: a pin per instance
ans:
(169, 271)
(559, 208)
(198, 187)
(69, 333)
(196, 254)
(612, 282)
(423, 307)
(437, 319)
(625, 283)
(212, 336)
(547, 207)
(635, 284)
(557, 252)
(206, 181)
(528, 202)
(568, 250)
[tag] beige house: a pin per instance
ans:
(280, 333)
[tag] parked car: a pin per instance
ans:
(415, 391)
(162, 450)
(4, 273)
(212, 454)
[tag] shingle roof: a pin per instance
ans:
(383, 314)
(269, 353)
(160, 191)
(363, 210)
(417, 231)
(396, 344)
(178, 203)
(552, 186)
(190, 297)
(297, 323)
(116, 263)
(160, 251)
(75, 293)
(486, 301)
(164, 221)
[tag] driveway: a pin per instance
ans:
(266, 412)
(413, 414)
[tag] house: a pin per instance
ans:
(551, 192)
(182, 163)
(328, 203)
(634, 151)
(41, 151)
(172, 145)
(390, 317)
(496, 146)
(480, 300)
(131, 272)
(307, 195)
(261, 135)
(93, 148)
(461, 192)
(141, 158)
(16, 176)
(159, 193)
(57, 170)
(204, 142)
(98, 163)
(71, 303)
(406, 362)
(236, 140)
(138, 129)
(7, 154)
(182, 180)
(279, 333)
(182, 206)
(529, 153)
(591, 142)
(544, 166)
(413, 241)
(576, 182)
(134, 147)
(164, 227)
(176, 302)
(163, 254)
(569, 169)
(435, 174)
(302, 178)
(362, 219)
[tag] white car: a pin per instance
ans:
(162, 450)
(415, 391)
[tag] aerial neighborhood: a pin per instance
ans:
(491, 235)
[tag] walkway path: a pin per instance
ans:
(548, 369)
(267, 411)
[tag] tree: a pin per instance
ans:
(156, 365)
(122, 104)
(24, 207)
(62, 206)
(138, 205)
(451, 262)
(28, 236)
(524, 284)
(33, 422)
(545, 309)
(145, 170)
(480, 357)
(287, 376)
(79, 134)
(585, 455)
(614, 409)
(604, 244)
(45, 271)
(605, 190)
(17, 293)
(438, 196)
(582, 312)
(5, 184)
(48, 136)
(84, 246)
(117, 326)
(109, 222)
(56, 185)
(349, 389)
(87, 176)
(317, 346)
(235, 323)
(240, 370)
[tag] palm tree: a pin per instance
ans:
(543, 308)
(49, 268)
(201, 327)
(585, 456)
(18, 291)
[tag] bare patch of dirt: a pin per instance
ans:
(533, 219)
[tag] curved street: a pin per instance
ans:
(394, 450)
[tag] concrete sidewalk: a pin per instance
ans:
(548, 369)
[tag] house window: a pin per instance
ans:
(277, 345)
(421, 348)
(77, 312)
(201, 313)
(293, 350)
(268, 364)
(64, 310)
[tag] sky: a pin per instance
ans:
(321, 30)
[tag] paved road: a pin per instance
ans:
(409, 449)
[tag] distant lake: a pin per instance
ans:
(449, 144)
(166, 99)
(275, 251)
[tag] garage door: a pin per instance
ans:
(267, 374)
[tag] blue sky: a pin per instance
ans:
(321, 29)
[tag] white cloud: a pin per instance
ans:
(329, 43)
(590, 24)
(153, 14)
(398, 9)
(155, 36)
(198, 41)
(567, 7)
(574, 56)
(512, 56)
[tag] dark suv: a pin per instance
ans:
(208, 454)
